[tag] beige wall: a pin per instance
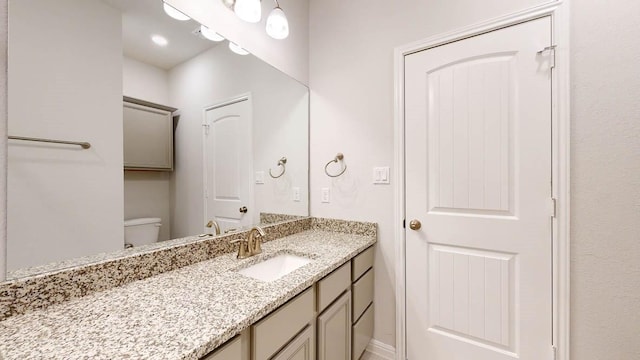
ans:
(3, 139)
(146, 82)
(605, 180)
(351, 80)
(73, 195)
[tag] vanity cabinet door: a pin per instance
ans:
(334, 330)
(277, 328)
(300, 348)
(235, 349)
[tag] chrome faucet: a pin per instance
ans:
(252, 245)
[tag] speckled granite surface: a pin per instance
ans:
(181, 314)
(55, 283)
(271, 218)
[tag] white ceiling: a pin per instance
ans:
(143, 18)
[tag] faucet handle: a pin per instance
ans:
(243, 249)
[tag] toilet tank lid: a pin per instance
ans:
(142, 221)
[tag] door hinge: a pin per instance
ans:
(552, 54)
(206, 193)
(206, 128)
(555, 352)
(404, 223)
(553, 207)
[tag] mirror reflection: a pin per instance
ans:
(185, 135)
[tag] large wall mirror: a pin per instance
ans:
(182, 130)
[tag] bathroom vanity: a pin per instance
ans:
(333, 319)
(210, 310)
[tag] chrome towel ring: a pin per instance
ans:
(281, 162)
(339, 157)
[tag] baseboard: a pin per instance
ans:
(381, 350)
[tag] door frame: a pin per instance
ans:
(558, 11)
(228, 101)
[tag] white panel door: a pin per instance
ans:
(228, 164)
(478, 178)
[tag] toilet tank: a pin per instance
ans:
(141, 231)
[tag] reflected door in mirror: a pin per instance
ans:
(228, 164)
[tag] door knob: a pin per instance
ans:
(243, 209)
(415, 225)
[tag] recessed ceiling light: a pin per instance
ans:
(160, 40)
(175, 13)
(237, 49)
(210, 34)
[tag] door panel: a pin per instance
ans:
(478, 172)
(228, 147)
(469, 134)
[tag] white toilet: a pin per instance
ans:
(142, 231)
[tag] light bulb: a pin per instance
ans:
(277, 24)
(237, 49)
(210, 34)
(175, 13)
(248, 10)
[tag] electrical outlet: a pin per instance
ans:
(326, 195)
(296, 194)
(259, 177)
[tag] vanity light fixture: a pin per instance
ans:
(251, 11)
(277, 24)
(237, 49)
(210, 34)
(160, 40)
(248, 10)
(174, 13)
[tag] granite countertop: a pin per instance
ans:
(181, 314)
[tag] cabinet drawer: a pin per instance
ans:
(275, 331)
(362, 333)
(362, 263)
(333, 285)
(362, 294)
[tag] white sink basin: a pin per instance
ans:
(275, 267)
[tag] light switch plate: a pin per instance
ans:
(296, 194)
(326, 195)
(381, 175)
(259, 177)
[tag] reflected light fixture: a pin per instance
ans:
(248, 10)
(160, 40)
(210, 34)
(237, 49)
(277, 24)
(174, 13)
